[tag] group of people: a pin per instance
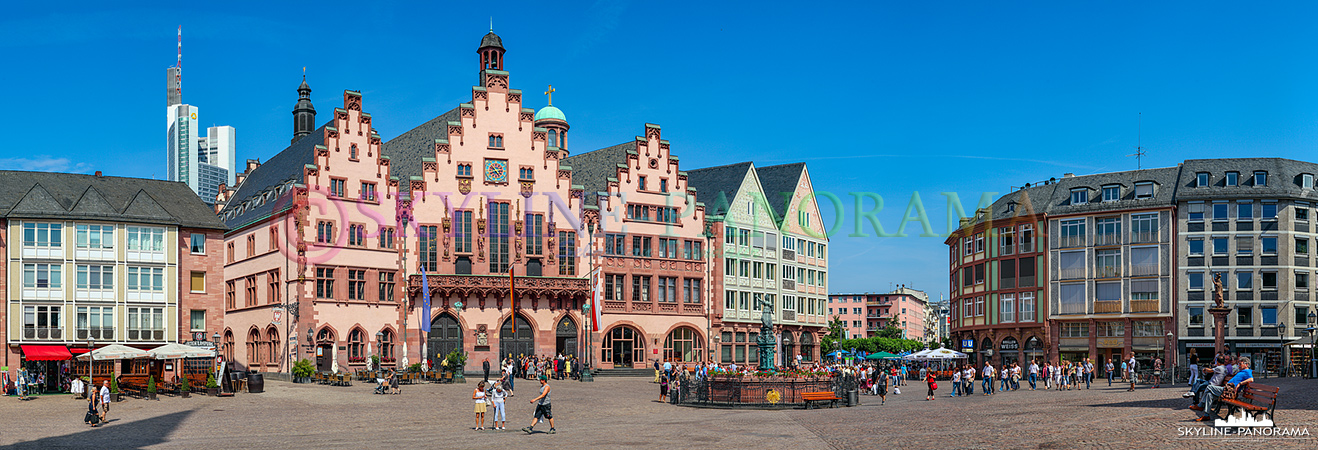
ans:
(530, 367)
(1227, 373)
(495, 397)
(26, 383)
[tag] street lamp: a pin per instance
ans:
(379, 347)
(1313, 317)
(1171, 360)
(1281, 330)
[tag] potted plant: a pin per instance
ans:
(302, 370)
(186, 387)
(151, 388)
(212, 388)
(115, 394)
(457, 361)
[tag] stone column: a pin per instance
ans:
(1219, 328)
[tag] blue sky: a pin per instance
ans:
(894, 98)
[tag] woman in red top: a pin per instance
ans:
(929, 380)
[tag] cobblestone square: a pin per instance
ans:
(624, 413)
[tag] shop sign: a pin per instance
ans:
(1199, 345)
(1257, 345)
(967, 343)
(1010, 345)
(278, 315)
(1110, 342)
(202, 344)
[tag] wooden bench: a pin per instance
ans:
(819, 397)
(134, 384)
(1253, 399)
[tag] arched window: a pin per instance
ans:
(253, 347)
(325, 336)
(623, 346)
(272, 346)
(356, 346)
(683, 344)
(227, 349)
(387, 346)
(553, 138)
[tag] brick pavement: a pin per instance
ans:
(621, 413)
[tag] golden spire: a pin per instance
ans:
(550, 93)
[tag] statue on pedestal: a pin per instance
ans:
(1217, 290)
(766, 341)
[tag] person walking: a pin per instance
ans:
(1109, 372)
(105, 400)
(1125, 371)
(92, 418)
(1034, 374)
(988, 374)
(479, 396)
(1157, 371)
(542, 408)
(969, 380)
(1132, 364)
(497, 398)
(881, 387)
(956, 382)
(657, 371)
(485, 365)
(933, 385)
(1089, 372)
(1194, 368)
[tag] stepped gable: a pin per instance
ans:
(717, 186)
(779, 184)
(285, 167)
(67, 196)
(406, 150)
(592, 170)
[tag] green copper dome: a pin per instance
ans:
(550, 112)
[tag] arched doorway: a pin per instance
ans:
(986, 350)
(445, 336)
(683, 344)
(516, 337)
(807, 347)
(789, 349)
(1009, 351)
(325, 350)
(623, 346)
(565, 337)
(1034, 350)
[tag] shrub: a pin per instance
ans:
(303, 368)
(186, 387)
(151, 385)
(210, 382)
(414, 367)
(457, 359)
(114, 384)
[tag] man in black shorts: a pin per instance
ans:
(542, 407)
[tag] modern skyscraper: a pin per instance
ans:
(202, 162)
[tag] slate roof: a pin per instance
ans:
(406, 150)
(716, 187)
(592, 170)
(1283, 179)
(49, 195)
(779, 183)
(1164, 191)
(274, 176)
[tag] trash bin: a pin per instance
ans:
(853, 397)
(255, 383)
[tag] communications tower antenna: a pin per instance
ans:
(1139, 144)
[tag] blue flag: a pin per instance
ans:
(425, 296)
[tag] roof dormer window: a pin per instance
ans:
(1079, 196)
(1201, 179)
(1306, 181)
(1144, 190)
(1260, 178)
(1111, 193)
(1232, 178)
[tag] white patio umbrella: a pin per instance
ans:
(943, 353)
(114, 351)
(175, 350)
(918, 356)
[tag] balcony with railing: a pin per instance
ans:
(99, 334)
(1071, 308)
(52, 333)
(1072, 241)
(1107, 239)
(1107, 271)
(1107, 307)
(1143, 306)
(1140, 270)
(1144, 237)
(1071, 273)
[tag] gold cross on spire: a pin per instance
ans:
(550, 93)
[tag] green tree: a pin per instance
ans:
(890, 331)
(830, 340)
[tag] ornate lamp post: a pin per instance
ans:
(379, 348)
(1171, 358)
(1281, 330)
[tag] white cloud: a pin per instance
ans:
(44, 163)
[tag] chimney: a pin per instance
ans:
(1068, 175)
(98, 173)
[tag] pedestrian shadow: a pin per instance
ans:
(112, 434)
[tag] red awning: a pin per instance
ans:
(46, 353)
(79, 350)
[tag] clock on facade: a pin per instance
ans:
(496, 170)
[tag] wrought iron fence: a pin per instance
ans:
(754, 392)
